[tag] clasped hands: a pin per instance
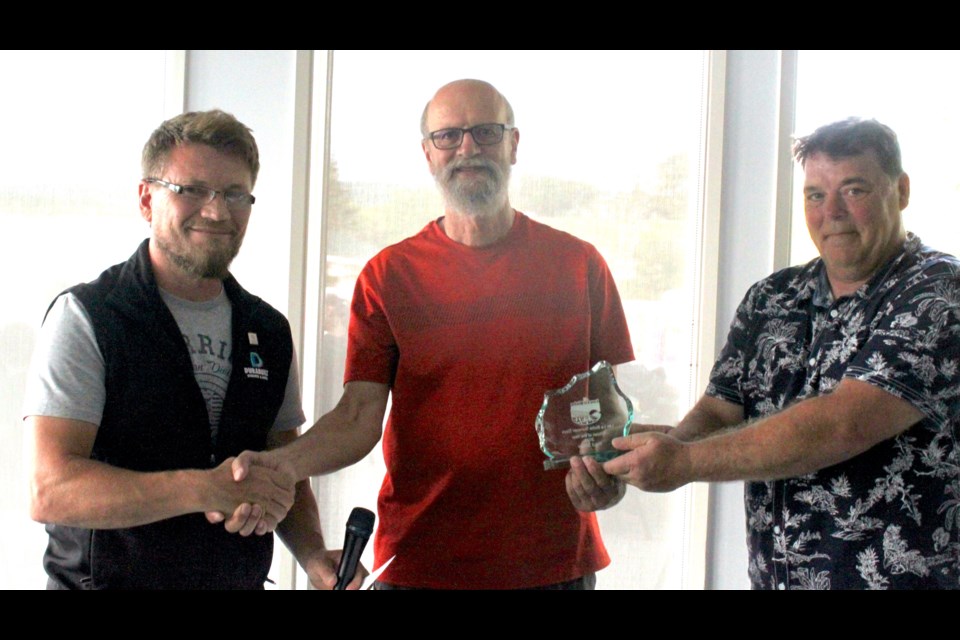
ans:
(654, 461)
(260, 488)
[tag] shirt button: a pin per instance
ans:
(834, 313)
(782, 587)
(812, 362)
(776, 529)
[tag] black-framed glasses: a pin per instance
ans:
(236, 200)
(483, 134)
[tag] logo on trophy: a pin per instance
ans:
(583, 417)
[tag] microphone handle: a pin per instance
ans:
(349, 560)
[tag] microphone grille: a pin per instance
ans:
(361, 522)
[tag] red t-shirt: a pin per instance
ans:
(469, 340)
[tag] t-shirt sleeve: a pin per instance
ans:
(67, 372)
(291, 413)
(726, 374)
(914, 351)
(372, 352)
(611, 342)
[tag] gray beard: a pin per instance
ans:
(482, 199)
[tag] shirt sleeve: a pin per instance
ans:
(914, 351)
(728, 369)
(372, 351)
(291, 413)
(611, 342)
(67, 374)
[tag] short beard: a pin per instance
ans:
(482, 199)
(213, 264)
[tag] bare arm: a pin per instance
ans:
(708, 417)
(345, 434)
(302, 534)
(801, 439)
(339, 438)
(68, 488)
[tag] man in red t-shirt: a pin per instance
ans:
(466, 324)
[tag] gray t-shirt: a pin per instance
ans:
(67, 372)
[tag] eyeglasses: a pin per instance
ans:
(483, 134)
(236, 200)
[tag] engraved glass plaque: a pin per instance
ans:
(583, 417)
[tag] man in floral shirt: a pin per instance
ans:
(837, 395)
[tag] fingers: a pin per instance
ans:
(321, 568)
(589, 487)
(358, 578)
(632, 441)
(651, 428)
(275, 501)
(242, 463)
(619, 466)
(240, 520)
(257, 502)
(653, 462)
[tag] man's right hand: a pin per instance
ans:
(261, 491)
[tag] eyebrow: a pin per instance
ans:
(858, 180)
(855, 180)
(236, 186)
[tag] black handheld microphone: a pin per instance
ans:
(359, 528)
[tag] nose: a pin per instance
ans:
(836, 206)
(216, 209)
(468, 146)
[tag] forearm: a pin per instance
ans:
(808, 436)
(67, 487)
(89, 494)
(300, 531)
(709, 417)
(342, 436)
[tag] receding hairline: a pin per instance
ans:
(852, 137)
(504, 103)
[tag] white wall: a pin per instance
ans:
(748, 203)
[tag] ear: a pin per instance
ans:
(514, 141)
(904, 187)
(146, 201)
(427, 149)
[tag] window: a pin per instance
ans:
(68, 208)
(907, 91)
(614, 157)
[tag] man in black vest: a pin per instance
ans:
(146, 382)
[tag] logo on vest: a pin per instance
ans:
(256, 370)
(585, 412)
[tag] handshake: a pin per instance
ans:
(252, 492)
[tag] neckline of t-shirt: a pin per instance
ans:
(200, 305)
(504, 243)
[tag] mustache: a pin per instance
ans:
(477, 162)
(226, 227)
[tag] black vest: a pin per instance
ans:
(155, 418)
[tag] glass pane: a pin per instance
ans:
(610, 155)
(68, 209)
(907, 91)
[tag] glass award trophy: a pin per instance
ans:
(582, 418)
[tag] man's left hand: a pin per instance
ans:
(590, 488)
(321, 567)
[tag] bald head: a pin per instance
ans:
(462, 95)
